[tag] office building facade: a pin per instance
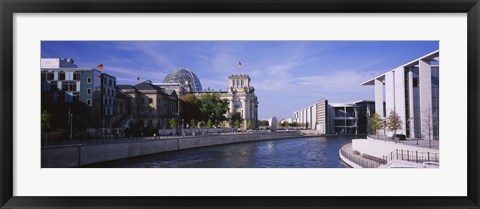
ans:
(88, 93)
(411, 91)
(336, 118)
(148, 102)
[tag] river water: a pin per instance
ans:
(306, 152)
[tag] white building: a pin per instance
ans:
(306, 117)
(411, 90)
(241, 97)
(336, 118)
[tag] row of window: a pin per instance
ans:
(238, 83)
(108, 92)
(109, 101)
(50, 76)
(110, 82)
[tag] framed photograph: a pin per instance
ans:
(263, 104)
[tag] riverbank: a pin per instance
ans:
(80, 154)
(371, 153)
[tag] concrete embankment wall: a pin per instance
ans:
(379, 148)
(80, 155)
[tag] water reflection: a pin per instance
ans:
(308, 152)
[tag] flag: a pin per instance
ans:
(239, 64)
(100, 67)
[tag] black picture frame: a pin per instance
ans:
(10, 7)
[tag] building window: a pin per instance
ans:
(89, 80)
(53, 86)
(61, 75)
(89, 91)
(89, 102)
(50, 76)
(415, 82)
(64, 86)
(150, 100)
(110, 82)
(76, 76)
(72, 86)
(44, 75)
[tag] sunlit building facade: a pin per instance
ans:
(88, 93)
(411, 91)
(336, 118)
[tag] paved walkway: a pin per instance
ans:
(422, 143)
(348, 149)
(425, 143)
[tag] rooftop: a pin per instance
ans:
(432, 55)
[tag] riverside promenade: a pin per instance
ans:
(77, 155)
(375, 153)
(354, 159)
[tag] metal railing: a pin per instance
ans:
(412, 156)
(382, 137)
(115, 139)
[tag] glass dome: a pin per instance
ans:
(182, 75)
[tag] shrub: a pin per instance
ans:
(400, 137)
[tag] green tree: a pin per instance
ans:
(236, 119)
(376, 123)
(263, 123)
(172, 124)
(237, 124)
(213, 108)
(46, 118)
(249, 124)
(224, 124)
(190, 108)
(209, 123)
(394, 122)
(286, 124)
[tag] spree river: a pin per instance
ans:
(305, 152)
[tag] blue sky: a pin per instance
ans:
(287, 75)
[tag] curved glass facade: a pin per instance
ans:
(182, 75)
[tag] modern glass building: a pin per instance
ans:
(336, 118)
(412, 91)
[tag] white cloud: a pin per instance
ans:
(150, 49)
